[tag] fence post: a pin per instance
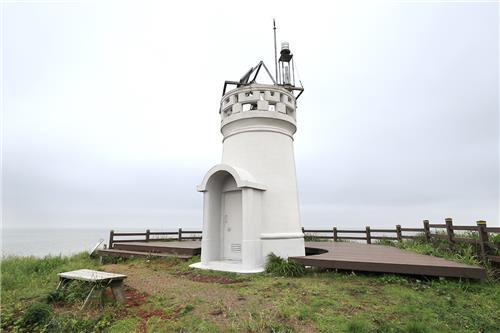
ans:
(180, 234)
(335, 236)
(111, 236)
(427, 231)
(147, 235)
(483, 239)
(368, 236)
(398, 233)
(449, 230)
(303, 231)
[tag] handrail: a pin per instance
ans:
(480, 228)
(345, 234)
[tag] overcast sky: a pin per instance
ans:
(110, 109)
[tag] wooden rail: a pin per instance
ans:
(146, 236)
(487, 248)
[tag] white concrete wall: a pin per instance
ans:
(252, 223)
(261, 142)
(258, 124)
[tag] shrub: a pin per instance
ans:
(73, 292)
(73, 323)
(56, 296)
(281, 267)
(385, 242)
(438, 247)
(35, 315)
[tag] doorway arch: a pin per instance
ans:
(231, 218)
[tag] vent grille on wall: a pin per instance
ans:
(236, 248)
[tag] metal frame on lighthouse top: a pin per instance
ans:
(284, 71)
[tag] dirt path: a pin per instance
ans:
(210, 297)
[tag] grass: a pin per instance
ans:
(29, 299)
(281, 267)
(168, 296)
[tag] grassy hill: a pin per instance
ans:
(167, 296)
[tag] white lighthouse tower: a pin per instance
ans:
(250, 199)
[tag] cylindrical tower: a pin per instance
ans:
(258, 123)
(250, 199)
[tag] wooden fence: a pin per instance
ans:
(399, 233)
(487, 248)
(151, 236)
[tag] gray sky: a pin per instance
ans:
(110, 109)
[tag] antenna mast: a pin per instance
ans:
(275, 52)
(284, 68)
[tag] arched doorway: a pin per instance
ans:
(231, 221)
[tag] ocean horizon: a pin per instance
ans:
(41, 242)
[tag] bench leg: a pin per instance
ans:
(88, 297)
(117, 289)
(62, 283)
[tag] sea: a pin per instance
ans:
(43, 242)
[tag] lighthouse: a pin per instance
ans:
(250, 199)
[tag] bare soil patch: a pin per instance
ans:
(210, 278)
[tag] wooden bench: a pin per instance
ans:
(99, 279)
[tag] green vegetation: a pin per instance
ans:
(281, 267)
(165, 295)
(29, 299)
(36, 315)
(313, 238)
(461, 252)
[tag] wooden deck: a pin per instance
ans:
(383, 259)
(181, 250)
(339, 255)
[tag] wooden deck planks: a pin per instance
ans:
(134, 254)
(385, 259)
(190, 248)
(339, 255)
